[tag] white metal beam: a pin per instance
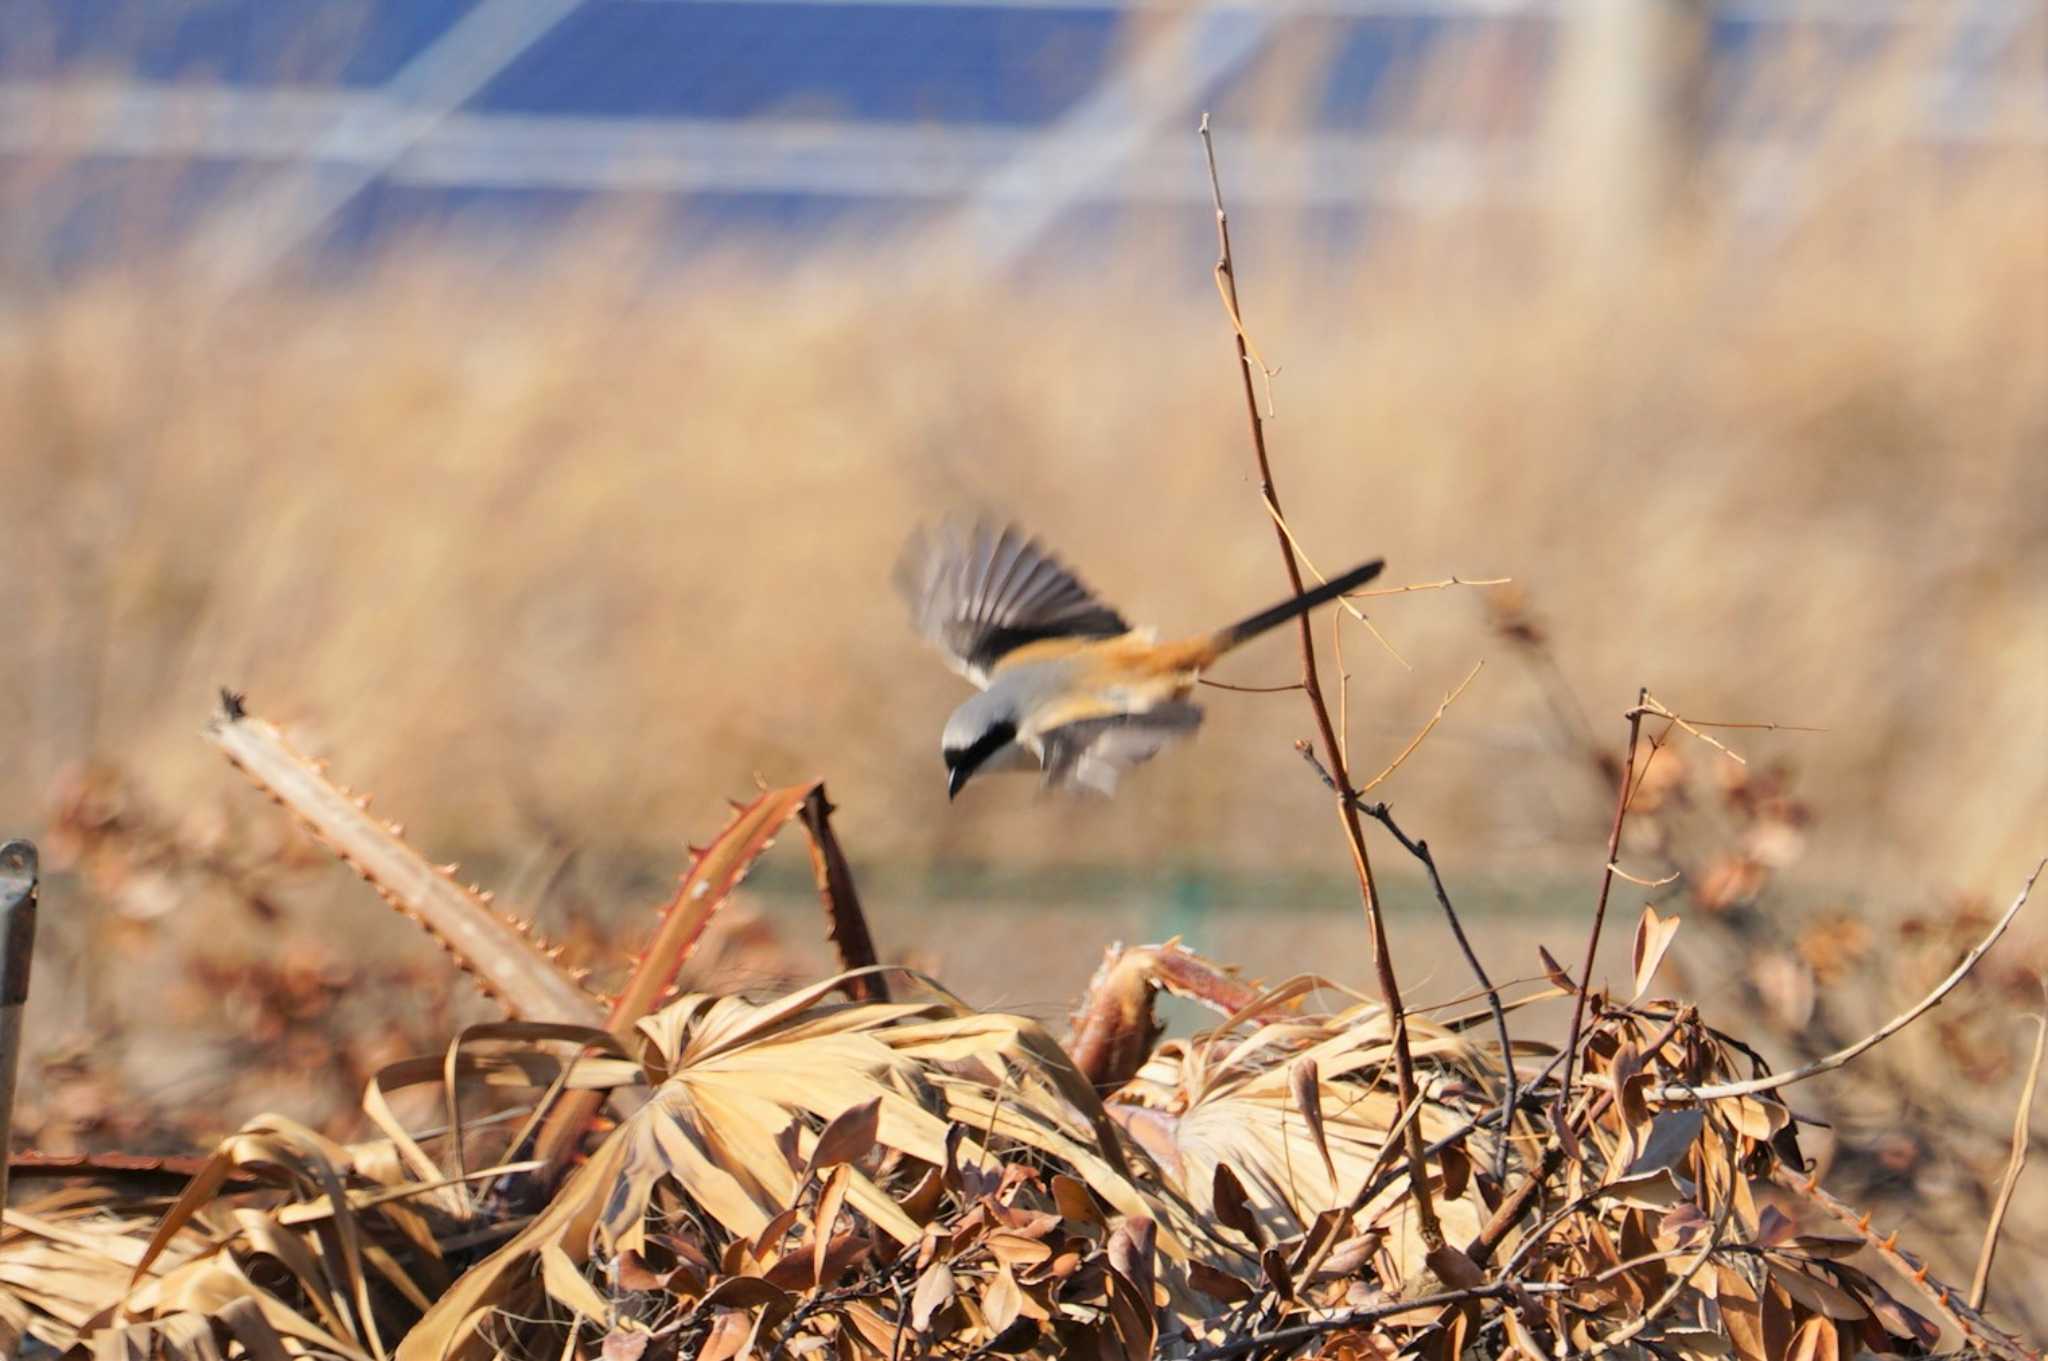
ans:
(251, 238)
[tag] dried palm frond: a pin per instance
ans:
(807, 1142)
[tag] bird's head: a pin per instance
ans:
(981, 730)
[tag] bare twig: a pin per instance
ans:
(1343, 688)
(1353, 1318)
(1656, 708)
(1518, 1202)
(1509, 1095)
(1427, 1224)
(1634, 1327)
(1445, 584)
(1980, 1284)
(1287, 531)
(1650, 703)
(1427, 729)
(1226, 289)
(1621, 873)
(1773, 1081)
(1621, 802)
(1420, 850)
(1249, 689)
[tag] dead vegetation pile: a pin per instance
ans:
(868, 1168)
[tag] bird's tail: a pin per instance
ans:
(1208, 648)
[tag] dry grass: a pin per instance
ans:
(528, 512)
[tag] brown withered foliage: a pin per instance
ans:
(848, 1172)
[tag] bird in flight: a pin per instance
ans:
(1065, 682)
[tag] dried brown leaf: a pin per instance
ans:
(1273, 1264)
(1232, 1208)
(1815, 1341)
(1076, 1206)
(1002, 1301)
(1219, 1285)
(1131, 1245)
(934, 1292)
(623, 1344)
(1653, 937)
(1306, 1084)
(923, 1201)
(1016, 1249)
(568, 1286)
(1556, 972)
(730, 1330)
(1813, 1292)
(831, 1199)
(847, 1136)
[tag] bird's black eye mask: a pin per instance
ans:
(961, 763)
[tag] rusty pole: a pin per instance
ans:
(17, 946)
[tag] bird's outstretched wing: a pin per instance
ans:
(1094, 752)
(978, 592)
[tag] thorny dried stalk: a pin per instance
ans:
(492, 947)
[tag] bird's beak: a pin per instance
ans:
(956, 776)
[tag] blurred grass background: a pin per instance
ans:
(556, 533)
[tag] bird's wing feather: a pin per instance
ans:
(1094, 752)
(978, 593)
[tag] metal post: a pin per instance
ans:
(17, 946)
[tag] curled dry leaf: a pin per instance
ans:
(935, 1290)
(1653, 937)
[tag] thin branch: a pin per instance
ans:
(1517, 1204)
(1343, 688)
(1370, 1185)
(1634, 1327)
(1980, 1285)
(1377, 1182)
(1280, 521)
(1653, 706)
(1656, 709)
(1304, 1332)
(1420, 850)
(1621, 873)
(1427, 586)
(1662, 712)
(1226, 289)
(1510, 1096)
(1773, 1081)
(1428, 1227)
(1621, 802)
(1427, 728)
(1669, 1254)
(1249, 689)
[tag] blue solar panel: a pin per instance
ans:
(887, 62)
(239, 42)
(1367, 52)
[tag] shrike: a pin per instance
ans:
(1064, 679)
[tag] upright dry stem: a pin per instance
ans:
(1347, 813)
(1621, 800)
